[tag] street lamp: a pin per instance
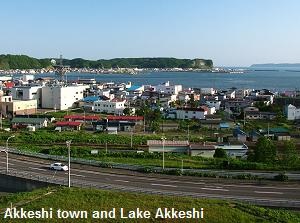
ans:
(163, 143)
(6, 151)
(69, 160)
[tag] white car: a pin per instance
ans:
(59, 166)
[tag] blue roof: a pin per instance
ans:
(90, 99)
(224, 125)
(134, 88)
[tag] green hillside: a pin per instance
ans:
(25, 62)
(90, 200)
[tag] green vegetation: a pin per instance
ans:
(264, 151)
(91, 199)
(22, 62)
(158, 62)
(220, 153)
(25, 62)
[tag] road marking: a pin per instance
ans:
(125, 181)
(76, 175)
(34, 168)
(218, 189)
(267, 192)
(11, 164)
(163, 185)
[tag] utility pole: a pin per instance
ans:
(181, 166)
(163, 144)
(6, 151)
(69, 160)
(188, 133)
(131, 139)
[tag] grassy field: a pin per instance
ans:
(89, 200)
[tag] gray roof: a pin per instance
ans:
(28, 120)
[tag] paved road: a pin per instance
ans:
(266, 192)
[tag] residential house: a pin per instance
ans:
(19, 122)
(115, 106)
(292, 112)
(190, 113)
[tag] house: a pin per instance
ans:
(115, 106)
(28, 92)
(18, 122)
(106, 125)
(292, 112)
(236, 151)
(67, 125)
(275, 132)
(257, 115)
(135, 119)
(208, 150)
(213, 103)
(203, 150)
(240, 135)
(190, 113)
(167, 88)
(168, 146)
(82, 118)
(11, 108)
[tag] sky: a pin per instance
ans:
(230, 32)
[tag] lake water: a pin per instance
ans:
(275, 80)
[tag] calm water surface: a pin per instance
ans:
(275, 80)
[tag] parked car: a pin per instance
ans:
(59, 166)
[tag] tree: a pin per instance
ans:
(220, 153)
(289, 156)
(264, 151)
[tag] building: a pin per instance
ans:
(257, 115)
(214, 103)
(82, 118)
(67, 125)
(167, 88)
(62, 97)
(27, 93)
(168, 146)
(26, 122)
(105, 125)
(114, 106)
(292, 112)
(236, 151)
(190, 113)
(11, 108)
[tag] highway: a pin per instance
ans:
(268, 193)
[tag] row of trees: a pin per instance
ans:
(265, 151)
(157, 62)
(25, 62)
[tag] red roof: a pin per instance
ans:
(9, 84)
(82, 117)
(125, 118)
(66, 123)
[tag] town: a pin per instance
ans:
(196, 122)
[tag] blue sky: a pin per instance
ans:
(231, 32)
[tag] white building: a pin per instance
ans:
(292, 112)
(114, 106)
(61, 97)
(27, 93)
(213, 103)
(167, 88)
(190, 113)
(207, 91)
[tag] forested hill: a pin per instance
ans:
(22, 62)
(25, 62)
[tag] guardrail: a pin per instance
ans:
(134, 167)
(81, 184)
